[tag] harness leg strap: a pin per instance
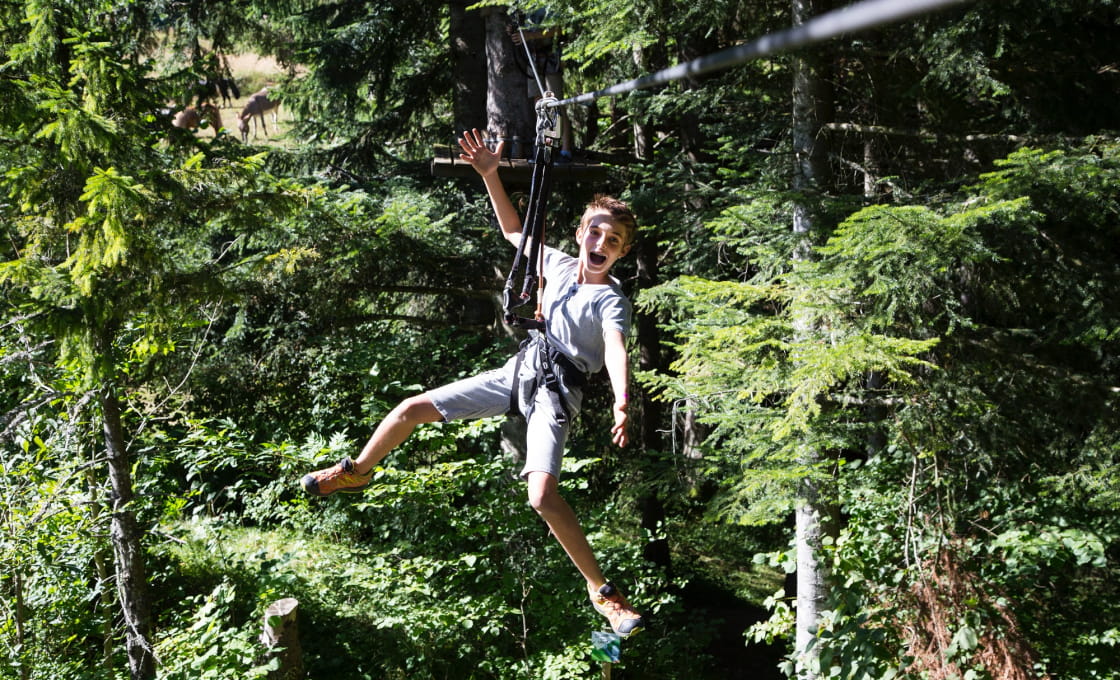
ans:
(555, 372)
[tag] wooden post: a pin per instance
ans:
(281, 638)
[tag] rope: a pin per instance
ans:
(545, 107)
(530, 59)
(858, 17)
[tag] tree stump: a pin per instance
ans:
(281, 638)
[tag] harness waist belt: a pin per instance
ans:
(555, 370)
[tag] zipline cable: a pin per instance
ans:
(857, 17)
(531, 60)
(860, 16)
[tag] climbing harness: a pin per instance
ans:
(555, 371)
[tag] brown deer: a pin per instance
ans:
(191, 117)
(257, 105)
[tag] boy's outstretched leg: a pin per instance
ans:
(544, 496)
(351, 476)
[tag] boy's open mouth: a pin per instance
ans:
(596, 258)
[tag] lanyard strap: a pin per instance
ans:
(528, 262)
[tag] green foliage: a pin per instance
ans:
(978, 60)
(433, 565)
(768, 389)
(208, 643)
(377, 76)
(372, 298)
(914, 339)
(54, 554)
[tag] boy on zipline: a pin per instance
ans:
(588, 318)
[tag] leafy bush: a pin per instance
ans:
(206, 643)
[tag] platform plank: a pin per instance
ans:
(517, 171)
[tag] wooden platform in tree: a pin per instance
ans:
(518, 171)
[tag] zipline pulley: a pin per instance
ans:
(548, 119)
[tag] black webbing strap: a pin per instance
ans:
(526, 267)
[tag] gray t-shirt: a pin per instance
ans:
(579, 315)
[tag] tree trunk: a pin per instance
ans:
(514, 432)
(281, 638)
(812, 99)
(589, 125)
(812, 103)
(643, 139)
(650, 358)
(104, 605)
(132, 582)
(24, 669)
(688, 125)
(468, 56)
(870, 168)
(812, 583)
(646, 59)
(508, 114)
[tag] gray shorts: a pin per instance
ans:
(488, 394)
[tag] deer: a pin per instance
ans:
(191, 117)
(257, 105)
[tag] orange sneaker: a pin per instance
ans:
(624, 619)
(341, 478)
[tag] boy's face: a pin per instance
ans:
(601, 242)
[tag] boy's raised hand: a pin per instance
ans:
(475, 152)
